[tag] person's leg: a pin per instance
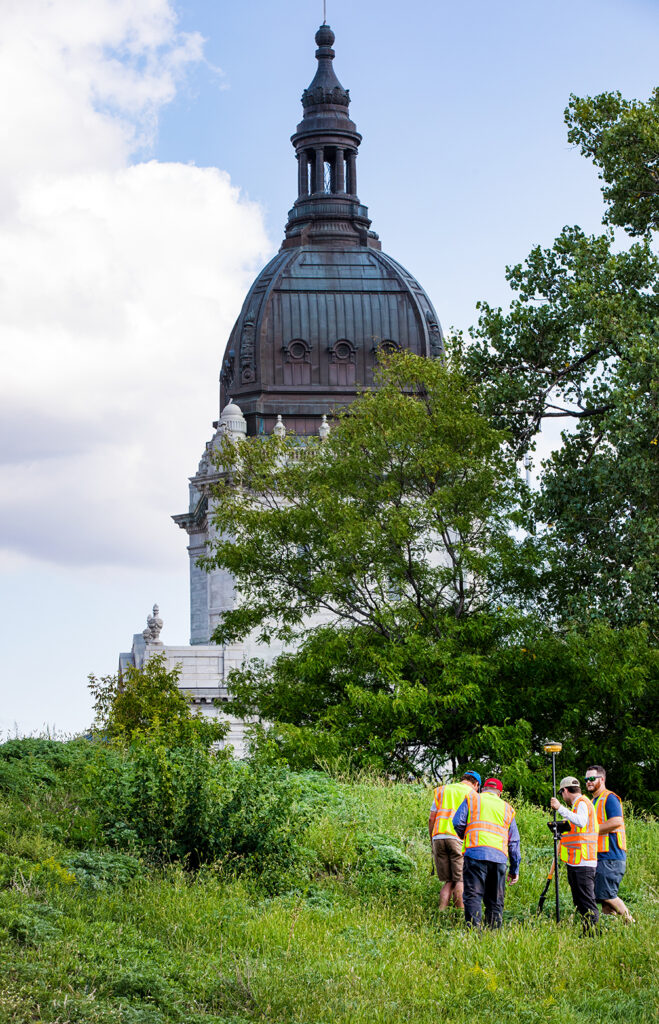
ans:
(454, 849)
(443, 871)
(582, 884)
(608, 877)
(474, 886)
(445, 894)
(495, 893)
(616, 906)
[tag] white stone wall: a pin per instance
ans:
(198, 591)
(204, 669)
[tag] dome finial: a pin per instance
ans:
(325, 40)
(232, 420)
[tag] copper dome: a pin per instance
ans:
(315, 319)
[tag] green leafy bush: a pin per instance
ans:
(148, 703)
(96, 870)
(196, 806)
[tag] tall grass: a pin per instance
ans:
(351, 935)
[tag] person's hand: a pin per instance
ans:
(554, 804)
(512, 879)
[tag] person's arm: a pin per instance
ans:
(460, 819)
(613, 815)
(431, 821)
(610, 825)
(579, 818)
(514, 852)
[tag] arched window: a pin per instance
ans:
(387, 346)
(342, 362)
(297, 362)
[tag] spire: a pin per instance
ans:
(327, 210)
(325, 88)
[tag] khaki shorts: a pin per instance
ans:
(447, 855)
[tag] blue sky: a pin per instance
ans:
(146, 173)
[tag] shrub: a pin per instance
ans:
(196, 806)
(147, 702)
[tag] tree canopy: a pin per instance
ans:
(403, 514)
(441, 612)
(580, 343)
(146, 705)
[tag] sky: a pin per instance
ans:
(146, 172)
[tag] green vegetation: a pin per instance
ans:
(470, 618)
(146, 706)
(580, 344)
(324, 913)
(146, 879)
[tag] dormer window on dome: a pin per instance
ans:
(297, 365)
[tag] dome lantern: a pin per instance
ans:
(326, 141)
(319, 314)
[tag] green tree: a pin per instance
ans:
(397, 528)
(580, 343)
(402, 514)
(622, 138)
(487, 695)
(147, 705)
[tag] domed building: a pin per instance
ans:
(307, 339)
(318, 314)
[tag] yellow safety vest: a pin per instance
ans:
(603, 840)
(580, 843)
(488, 822)
(447, 800)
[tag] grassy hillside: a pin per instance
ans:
(342, 930)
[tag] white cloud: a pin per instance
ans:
(119, 283)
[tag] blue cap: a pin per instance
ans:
(472, 775)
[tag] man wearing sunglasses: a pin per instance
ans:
(578, 848)
(611, 843)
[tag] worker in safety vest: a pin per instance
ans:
(446, 847)
(487, 825)
(578, 848)
(611, 843)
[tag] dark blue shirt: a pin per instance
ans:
(488, 852)
(613, 810)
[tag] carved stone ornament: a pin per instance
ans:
(387, 346)
(153, 626)
(435, 335)
(342, 351)
(279, 430)
(204, 462)
(318, 94)
(228, 372)
(247, 339)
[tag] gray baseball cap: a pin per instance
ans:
(568, 781)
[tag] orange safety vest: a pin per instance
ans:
(488, 822)
(603, 840)
(580, 843)
(447, 800)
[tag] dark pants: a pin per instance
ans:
(484, 881)
(582, 884)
